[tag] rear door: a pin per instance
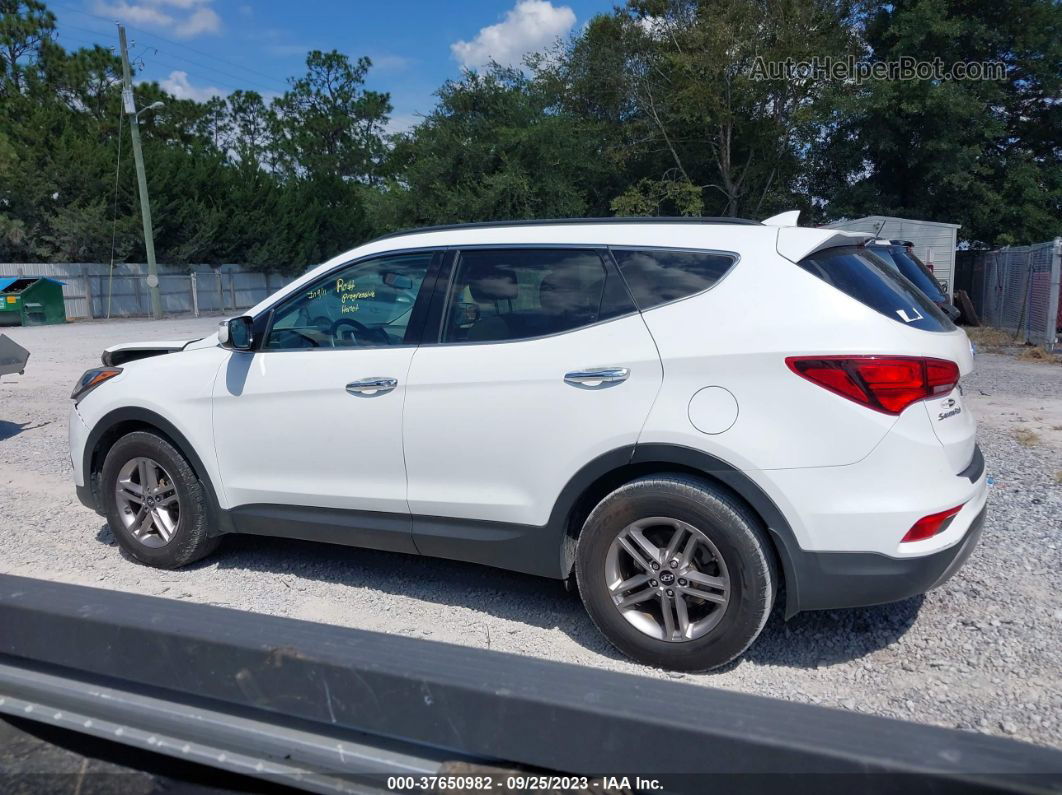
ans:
(542, 364)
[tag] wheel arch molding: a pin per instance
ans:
(119, 422)
(610, 471)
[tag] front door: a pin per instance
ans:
(308, 427)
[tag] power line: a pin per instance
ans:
(213, 70)
(228, 62)
(181, 64)
(193, 72)
(81, 40)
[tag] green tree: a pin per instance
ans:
(327, 124)
(26, 28)
(981, 153)
(248, 137)
(492, 148)
(718, 124)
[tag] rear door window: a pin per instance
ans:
(863, 276)
(659, 276)
(501, 295)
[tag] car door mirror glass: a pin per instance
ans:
(236, 333)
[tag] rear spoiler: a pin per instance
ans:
(797, 242)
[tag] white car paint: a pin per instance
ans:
(287, 432)
(491, 432)
(482, 421)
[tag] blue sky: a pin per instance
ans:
(196, 48)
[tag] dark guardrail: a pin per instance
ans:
(333, 709)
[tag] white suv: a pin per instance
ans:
(683, 415)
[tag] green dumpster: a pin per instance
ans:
(31, 301)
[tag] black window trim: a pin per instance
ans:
(441, 302)
(434, 293)
(735, 258)
(415, 329)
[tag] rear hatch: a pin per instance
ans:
(869, 280)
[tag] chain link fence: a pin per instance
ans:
(1017, 289)
(94, 290)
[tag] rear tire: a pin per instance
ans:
(711, 554)
(155, 505)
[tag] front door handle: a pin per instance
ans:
(372, 386)
(591, 379)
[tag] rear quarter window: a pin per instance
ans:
(864, 277)
(658, 276)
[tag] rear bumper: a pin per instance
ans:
(829, 580)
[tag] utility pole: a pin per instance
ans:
(141, 178)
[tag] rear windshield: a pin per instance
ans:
(916, 272)
(866, 278)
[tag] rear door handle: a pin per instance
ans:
(597, 377)
(372, 386)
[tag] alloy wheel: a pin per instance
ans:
(148, 503)
(667, 579)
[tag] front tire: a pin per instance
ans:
(676, 573)
(155, 504)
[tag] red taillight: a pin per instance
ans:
(929, 526)
(884, 383)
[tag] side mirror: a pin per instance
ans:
(236, 333)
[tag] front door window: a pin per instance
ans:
(367, 304)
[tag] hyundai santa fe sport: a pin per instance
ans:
(683, 418)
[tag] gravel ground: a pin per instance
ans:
(982, 653)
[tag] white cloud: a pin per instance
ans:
(143, 14)
(530, 25)
(389, 62)
(183, 18)
(202, 20)
(179, 85)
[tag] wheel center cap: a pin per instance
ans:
(150, 501)
(667, 577)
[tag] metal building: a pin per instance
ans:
(934, 241)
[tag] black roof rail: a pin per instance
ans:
(569, 221)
